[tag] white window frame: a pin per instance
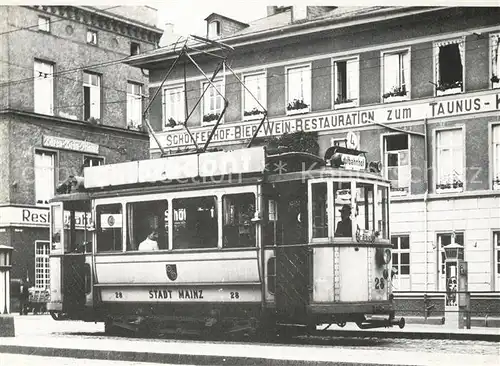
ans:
(43, 87)
(496, 262)
(91, 37)
(494, 59)
(461, 46)
(355, 98)
(405, 72)
(95, 95)
(179, 114)
(441, 268)
(44, 24)
(214, 33)
(495, 156)
(438, 164)
(42, 272)
(134, 104)
(398, 252)
(384, 159)
(50, 178)
(306, 88)
(100, 158)
(217, 98)
(261, 77)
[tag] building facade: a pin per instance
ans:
(419, 87)
(66, 102)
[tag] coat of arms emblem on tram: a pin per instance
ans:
(171, 271)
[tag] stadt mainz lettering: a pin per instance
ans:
(181, 294)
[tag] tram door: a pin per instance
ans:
(292, 255)
(76, 284)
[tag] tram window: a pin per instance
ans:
(57, 227)
(237, 211)
(383, 212)
(77, 235)
(342, 209)
(319, 210)
(109, 227)
(145, 218)
(195, 223)
(364, 206)
(272, 234)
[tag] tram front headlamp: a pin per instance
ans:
(387, 256)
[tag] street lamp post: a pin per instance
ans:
(6, 321)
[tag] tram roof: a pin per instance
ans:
(206, 170)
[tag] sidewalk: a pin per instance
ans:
(42, 336)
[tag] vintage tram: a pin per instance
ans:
(225, 241)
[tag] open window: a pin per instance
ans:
(346, 77)
(195, 224)
(238, 211)
(365, 210)
(495, 59)
(449, 66)
(147, 221)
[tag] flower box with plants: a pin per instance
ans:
(254, 113)
(344, 102)
(211, 117)
(396, 93)
(443, 88)
(496, 182)
(173, 124)
(454, 186)
(94, 121)
(297, 106)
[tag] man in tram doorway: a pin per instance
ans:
(344, 227)
(150, 243)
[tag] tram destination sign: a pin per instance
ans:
(335, 120)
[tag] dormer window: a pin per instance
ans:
(214, 29)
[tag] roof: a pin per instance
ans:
(281, 26)
(226, 18)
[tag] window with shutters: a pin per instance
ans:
(396, 75)
(346, 83)
(91, 96)
(134, 104)
(449, 66)
(44, 87)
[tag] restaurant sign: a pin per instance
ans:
(331, 121)
(38, 217)
(70, 144)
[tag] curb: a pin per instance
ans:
(161, 358)
(413, 335)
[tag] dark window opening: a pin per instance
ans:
(147, 220)
(135, 48)
(89, 161)
(450, 66)
(86, 103)
(238, 211)
(195, 223)
(341, 82)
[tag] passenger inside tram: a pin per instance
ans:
(150, 243)
(344, 227)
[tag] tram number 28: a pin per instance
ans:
(234, 294)
(379, 283)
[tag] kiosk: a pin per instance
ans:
(6, 321)
(457, 299)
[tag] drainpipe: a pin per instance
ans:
(426, 180)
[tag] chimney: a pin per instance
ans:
(299, 12)
(271, 10)
(169, 36)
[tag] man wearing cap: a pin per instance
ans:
(344, 227)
